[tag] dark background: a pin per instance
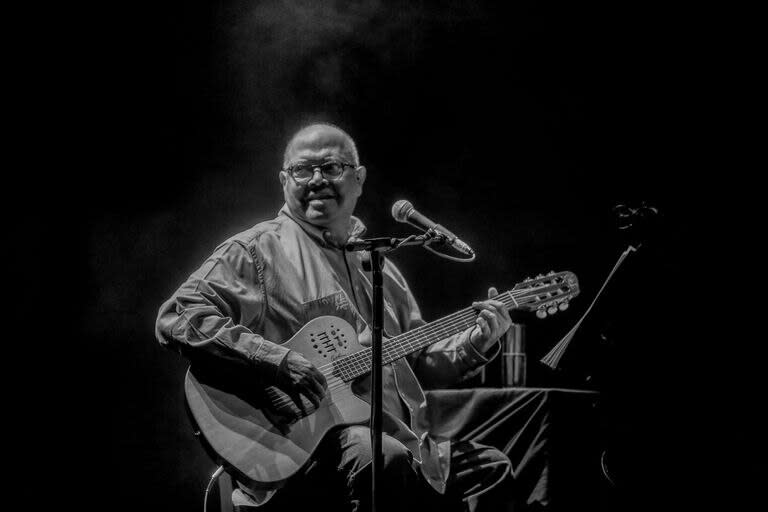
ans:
(518, 126)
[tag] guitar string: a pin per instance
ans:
(400, 346)
(411, 340)
(406, 341)
(407, 344)
(358, 363)
(351, 364)
(355, 365)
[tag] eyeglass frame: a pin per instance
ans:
(315, 167)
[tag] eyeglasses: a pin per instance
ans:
(302, 173)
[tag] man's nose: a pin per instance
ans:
(317, 177)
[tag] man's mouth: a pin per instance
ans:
(320, 197)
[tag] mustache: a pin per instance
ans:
(320, 193)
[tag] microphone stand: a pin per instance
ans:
(376, 248)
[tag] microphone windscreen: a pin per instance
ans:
(401, 209)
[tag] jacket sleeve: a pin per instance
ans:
(446, 362)
(212, 311)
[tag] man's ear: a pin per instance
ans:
(283, 176)
(360, 174)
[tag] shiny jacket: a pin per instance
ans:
(261, 286)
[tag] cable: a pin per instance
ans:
(604, 467)
(430, 239)
(216, 474)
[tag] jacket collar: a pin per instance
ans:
(323, 236)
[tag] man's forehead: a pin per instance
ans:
(320, 141)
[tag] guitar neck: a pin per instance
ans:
(359, 364)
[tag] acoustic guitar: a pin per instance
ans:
(266, 436)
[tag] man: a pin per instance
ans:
(261, 286)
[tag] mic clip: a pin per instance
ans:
(434, 237)
(386, 244)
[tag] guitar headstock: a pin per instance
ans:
(546, 294)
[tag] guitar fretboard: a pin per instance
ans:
(358, 364)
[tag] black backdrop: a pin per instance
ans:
(519, 126)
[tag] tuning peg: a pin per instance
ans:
(541, 313)
(551, 273)
(563, 306)
(552, 310)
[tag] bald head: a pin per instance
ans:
(318, 137)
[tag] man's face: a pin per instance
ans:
(323, 201)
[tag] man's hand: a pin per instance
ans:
(492, 322)
(298, 376)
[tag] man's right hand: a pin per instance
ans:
(298, 376)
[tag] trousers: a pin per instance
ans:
(339, 477)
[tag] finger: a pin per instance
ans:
(485, 329)
(485, 311)
(492, 319)
(498, 306)
(310, 390)
(501, 311)
(476, 333)
(301, 395)
(312, 398)
(491, 305)
(316, 384)
(492, 292)
(323, 382)
(480, 305)
(320, 378)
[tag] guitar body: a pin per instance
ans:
(266, 435)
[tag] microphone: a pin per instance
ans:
(403, 211)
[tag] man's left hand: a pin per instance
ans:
(492, 322)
